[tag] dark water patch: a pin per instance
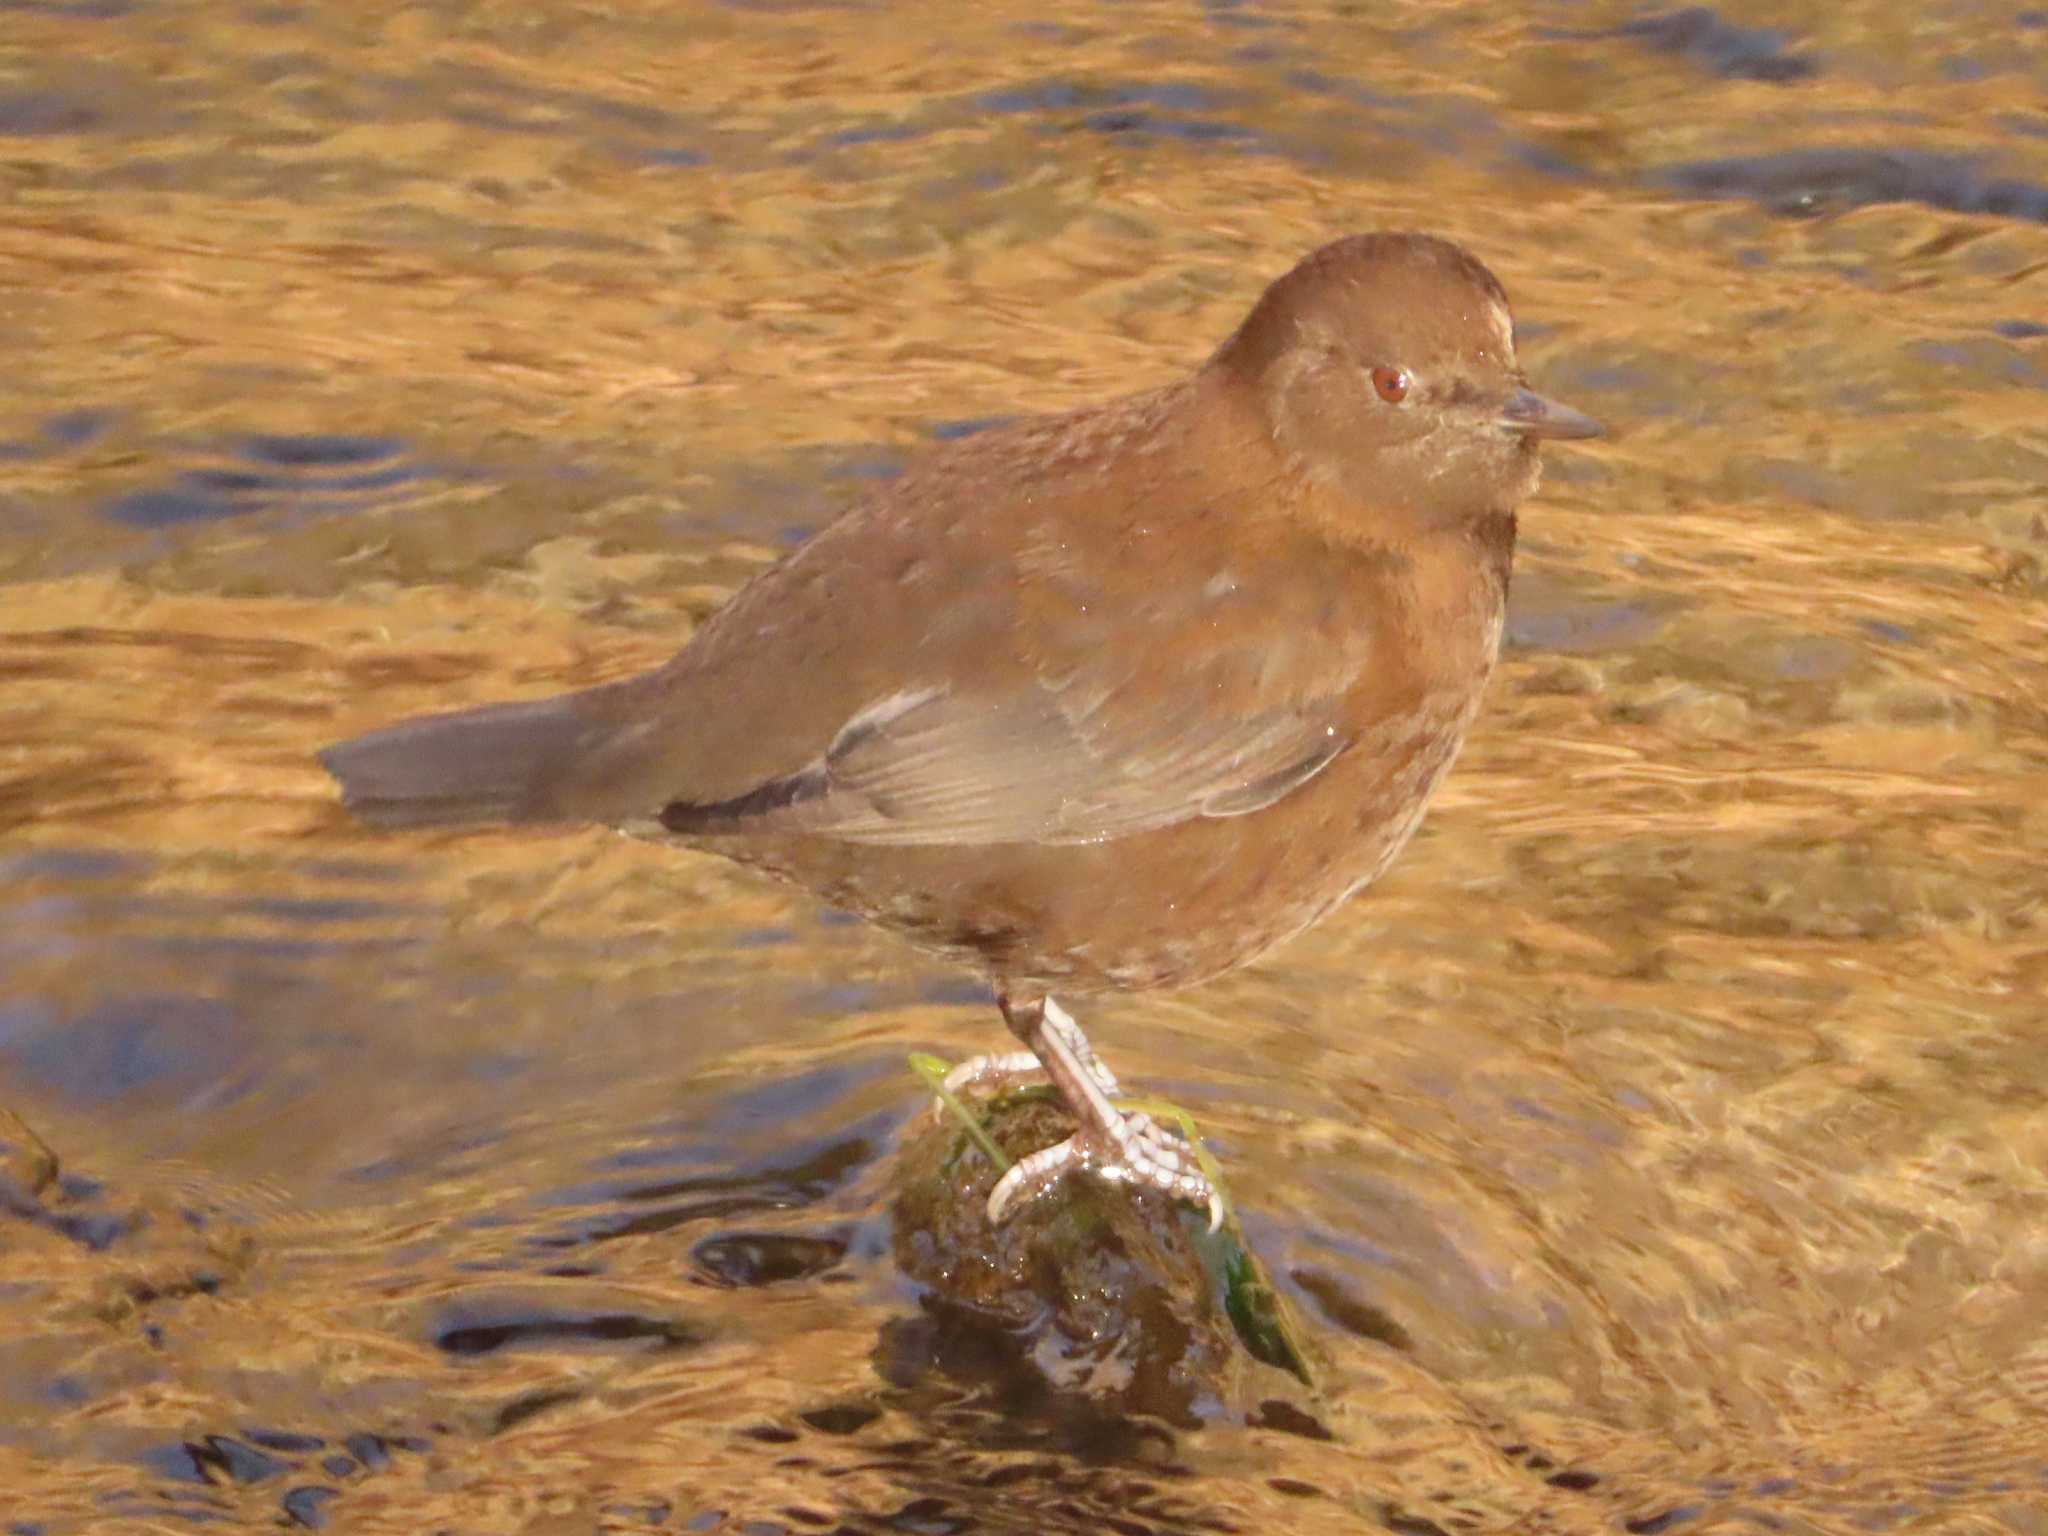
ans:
(1641, 387)
(472, 1326)
(307, 1506)
(94, 1230)
(258, 1457)
(130, 1045)
(875, 133)
(373, 1451)
(1650, 1525)
(931, 1516)
(954, 431)
(66, 1391)
(77, 10)
(290, 1442)
(77, 428)
(1236, 13)
(787, 502)
(1176, 110)
(878, 465)
(957, 992)
(1199, 131)
(2019, 330)
(714, 1196)
(68, 864)
(648, 1511)
(315, 913)
(793, 7)
(212, 1460)
(1545, 160)
(1808, 182)
(80, 1186)
(1700, 36)
(1314, 82)
(1353, 1314)
(531, 1405)
(1046, 96)
(1349, 127)
(35, 1188)
(795, 1100)
(843, 997)
(242, 1462)
(1808, 658)
(841, 1418)
(745, 1259)
(168, 508)
(43, 114)
(1982, 361)
(290, 955)
(1543, 617)
(303, 473)
(300, 451)
(366, 870)
(181, 1463)
(1275, 1413)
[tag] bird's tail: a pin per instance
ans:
(477, 765)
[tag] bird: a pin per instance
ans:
(1104, 701)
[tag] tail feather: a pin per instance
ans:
(478, 765)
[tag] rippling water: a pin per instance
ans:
(1660, 1148)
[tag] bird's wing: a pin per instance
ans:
(937, 766)
(1066, 666)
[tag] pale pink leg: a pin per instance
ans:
(1014, 1069)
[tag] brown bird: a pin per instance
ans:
(1111, 700)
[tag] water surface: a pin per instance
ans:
(1660, 1148)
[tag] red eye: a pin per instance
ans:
(1392, 384)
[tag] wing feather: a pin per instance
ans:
(934, 767)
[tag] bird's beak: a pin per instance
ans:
(1530, 414)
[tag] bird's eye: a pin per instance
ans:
(1391, 384)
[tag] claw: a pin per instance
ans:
(1122, 1147)
(989, 1074)
(1141, 1154)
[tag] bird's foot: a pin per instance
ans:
(1134, 1150)
(1124, 1148)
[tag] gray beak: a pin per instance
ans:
(1530, 414)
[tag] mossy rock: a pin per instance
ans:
(1121, 1296)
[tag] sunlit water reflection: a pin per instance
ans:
(1660, 1148)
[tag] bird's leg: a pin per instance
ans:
(1011, 1069)
(1120, 1147)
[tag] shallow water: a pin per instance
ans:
(1660, 1147)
